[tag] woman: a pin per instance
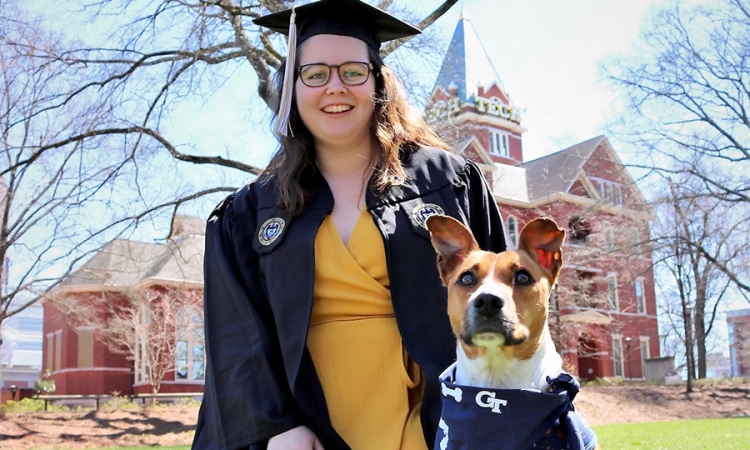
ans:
(325, 317)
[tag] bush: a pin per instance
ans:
(187, 401)
(31, 405)
(117, 403)
(46, 385)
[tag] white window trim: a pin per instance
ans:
(191, 340)
(609, 191)
(612, 277)
(513, 239)
(616, 338)
(609, 236)
(644, 340)
(642, 282)
(503, 141)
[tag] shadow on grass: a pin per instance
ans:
(92, 426)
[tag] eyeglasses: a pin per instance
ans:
(352, 73)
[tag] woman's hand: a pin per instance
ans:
(300, 438)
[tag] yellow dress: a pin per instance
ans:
(372, 388)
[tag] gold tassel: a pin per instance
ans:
(287, 89)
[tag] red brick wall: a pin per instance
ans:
(111, 371)
(626, 321)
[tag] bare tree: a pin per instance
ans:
(687, 98)
(693, 231)
(47, 182)
(93, 139)
(146, 326)
(149, 325)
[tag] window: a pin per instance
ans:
(640, 299)
(190, 354)
(612, 292)
(50, 351)
(635, 238)
(645, 354)
(58, 350)
(29, 346)
(609, 191)
(617, 355)
(499, 143)
(85, 347)
(513, 230)
(609, 240)
(141, 350)
(30, 324)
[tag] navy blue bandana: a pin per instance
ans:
(512, 419)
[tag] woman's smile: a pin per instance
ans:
(337, 109)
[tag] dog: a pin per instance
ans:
(507, 367)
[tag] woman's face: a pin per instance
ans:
(335, 113)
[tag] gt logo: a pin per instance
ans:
(486, 399)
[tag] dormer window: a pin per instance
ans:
(609, 191)
(499, 144)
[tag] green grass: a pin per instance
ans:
(708, 434)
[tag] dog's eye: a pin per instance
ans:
(522, 278)
(467, 279)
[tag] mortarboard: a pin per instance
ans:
(340, 17)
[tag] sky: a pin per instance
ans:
(547, 54)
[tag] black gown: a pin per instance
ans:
(259, 274)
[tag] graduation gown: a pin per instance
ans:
(258, 295)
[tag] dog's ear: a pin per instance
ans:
(452, 242)
(543, 240)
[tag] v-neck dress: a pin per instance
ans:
(372, 388)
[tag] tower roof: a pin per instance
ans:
(466, 64)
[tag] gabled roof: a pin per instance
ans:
(125, 263)
(471, 146)
(466, 64)
(557, 172)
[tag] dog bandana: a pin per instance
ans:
(511, 419)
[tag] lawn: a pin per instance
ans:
(707, 434)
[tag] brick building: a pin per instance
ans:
(604, 310)
(163, 282)
(738, 325)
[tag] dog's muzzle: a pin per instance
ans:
(487, 321)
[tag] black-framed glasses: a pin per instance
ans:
(352, 73)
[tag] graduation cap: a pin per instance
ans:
(340, 17)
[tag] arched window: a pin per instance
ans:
(640, 296)
(614, 301)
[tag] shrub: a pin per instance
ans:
(31, 405)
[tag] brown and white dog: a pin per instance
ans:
(498, 303)
(498, 306)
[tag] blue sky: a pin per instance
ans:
(547, 53)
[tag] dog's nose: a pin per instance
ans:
(488, 305)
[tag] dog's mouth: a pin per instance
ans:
(493, 333)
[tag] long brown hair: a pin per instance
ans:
(397, 132)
